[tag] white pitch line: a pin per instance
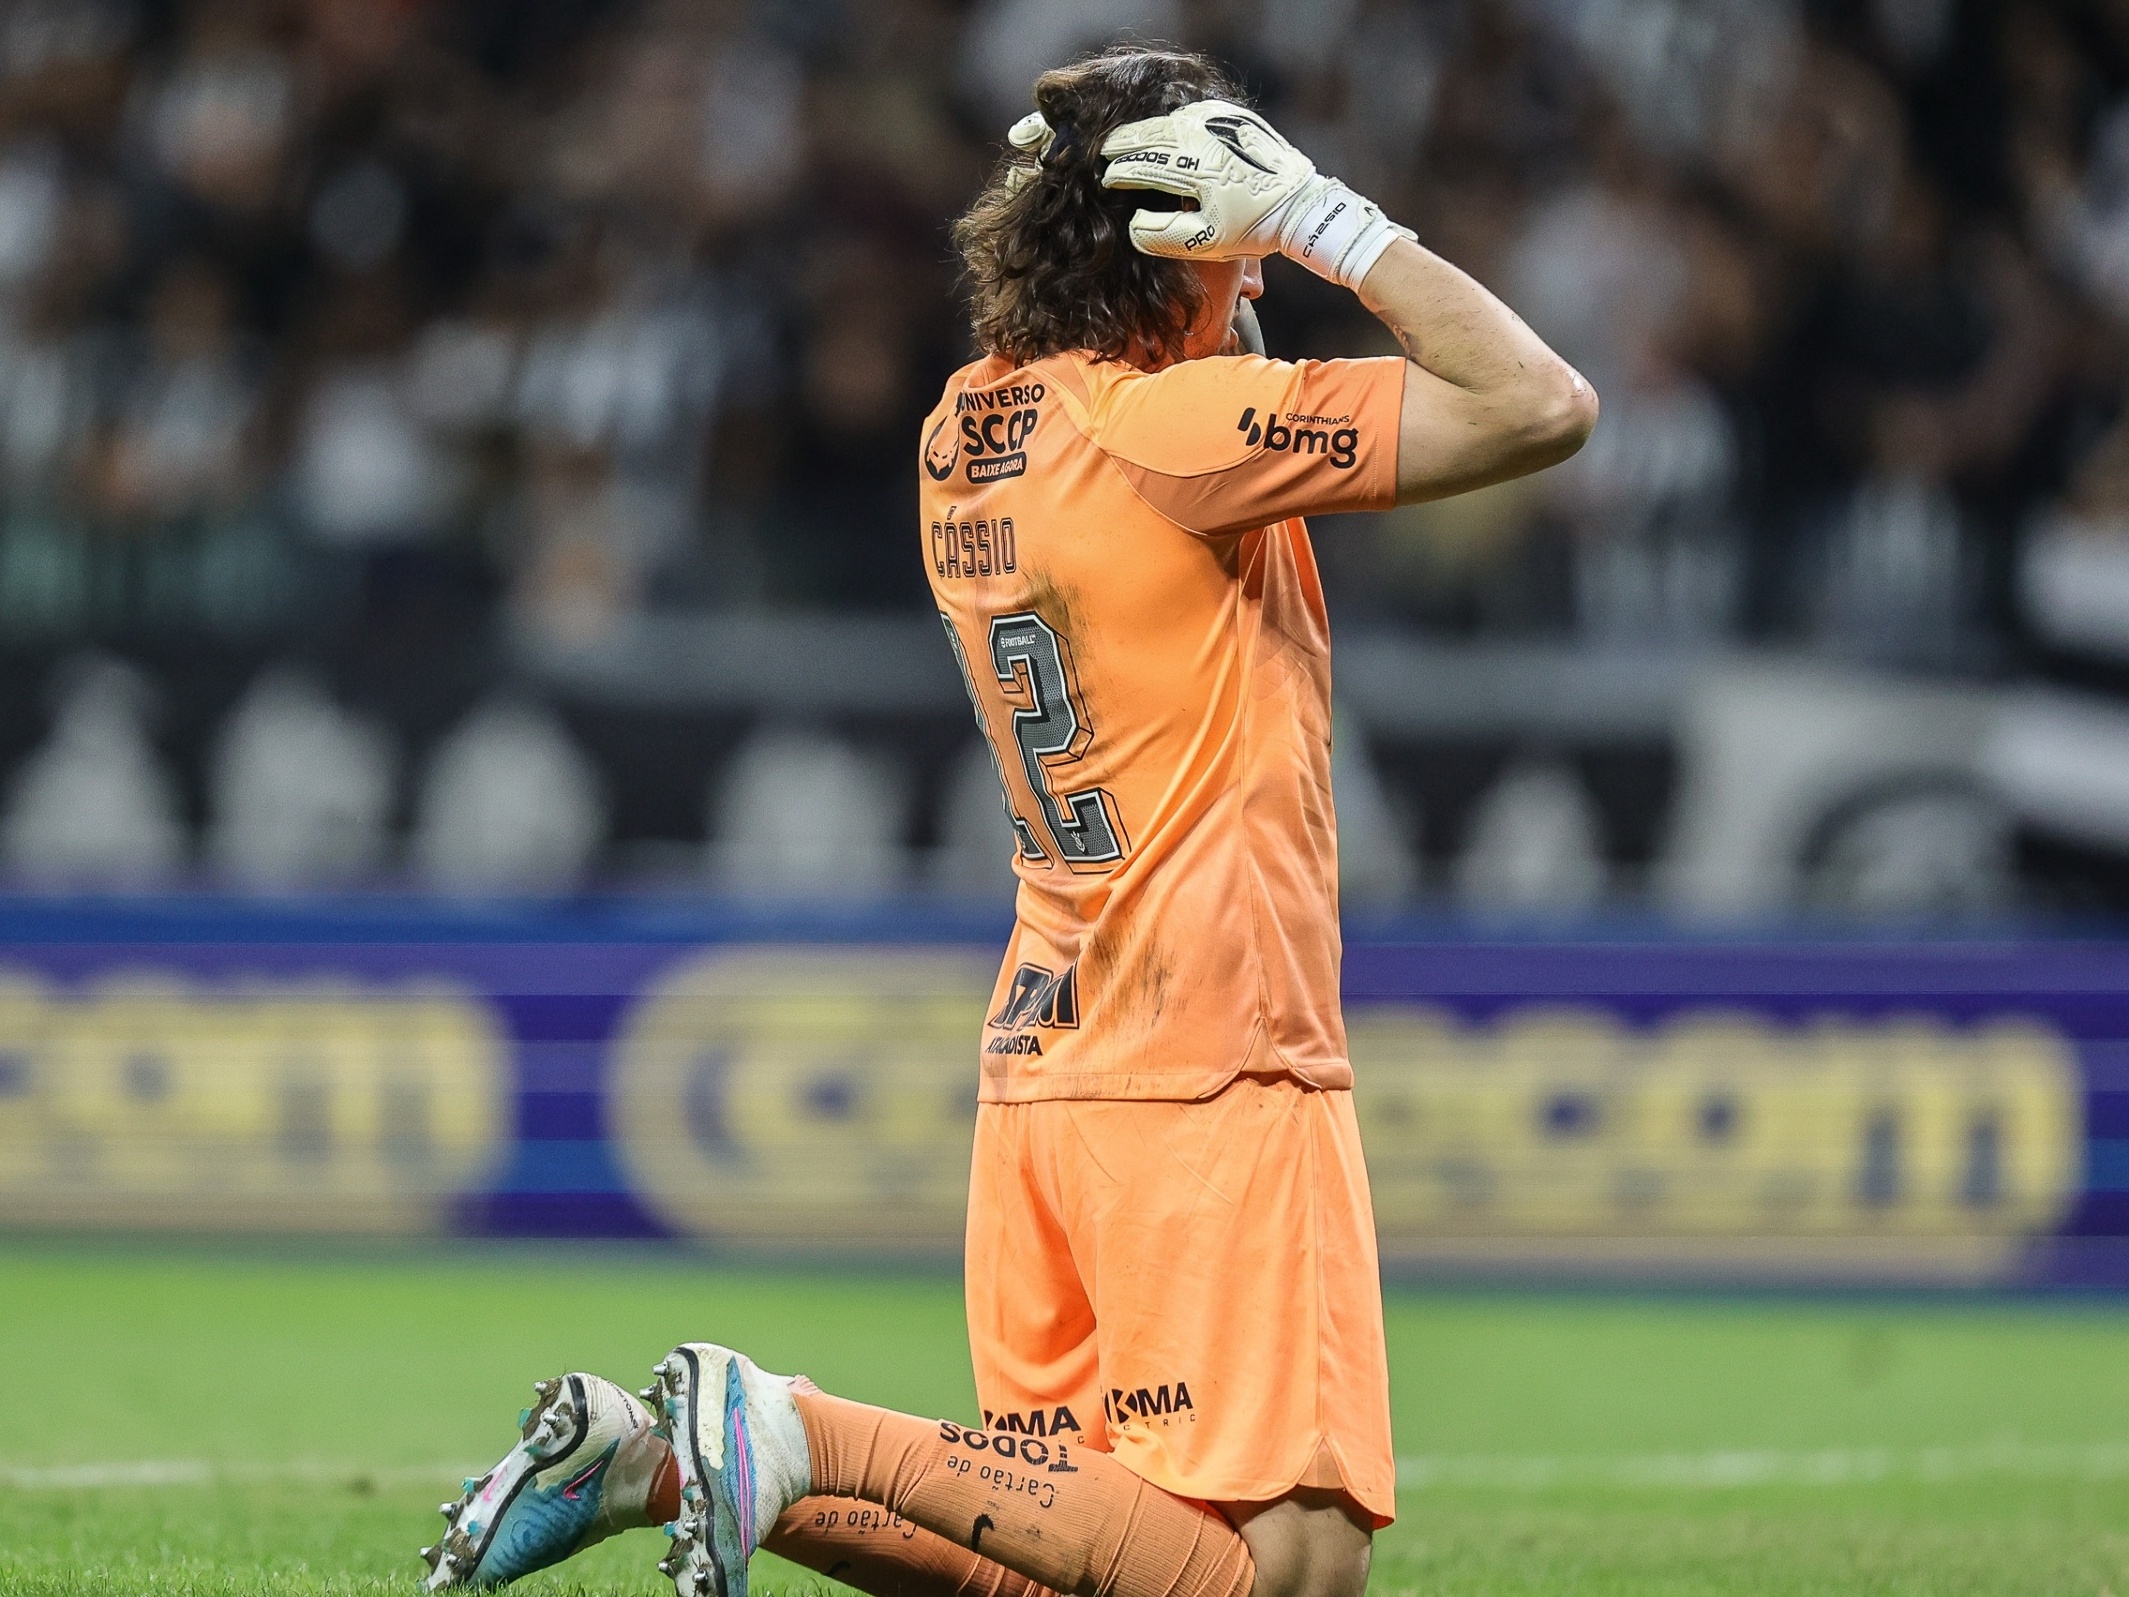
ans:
(200, 1472)
(1728, 1469)
(146, 1472)
(1731, 1468)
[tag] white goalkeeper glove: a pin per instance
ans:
(1030, 136)
(1256, 194)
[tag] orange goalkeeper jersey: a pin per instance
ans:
(1130, 592)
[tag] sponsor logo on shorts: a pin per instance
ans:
(1166, 1402)
(1058, 1421)
(1039, 997)
(1303, 434)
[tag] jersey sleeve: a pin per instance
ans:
(1232, 443)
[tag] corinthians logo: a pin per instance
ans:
(941, 464)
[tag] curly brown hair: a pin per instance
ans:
(1048, 249)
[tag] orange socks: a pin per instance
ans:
(861, 1545)
(662, 1506)
(879, 1552)
(1070, 1520)
(899, 1494)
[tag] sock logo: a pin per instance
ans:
(1339, 445)
(1030, 1450)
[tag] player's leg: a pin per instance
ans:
(1312, 1543)
(514, 1529)
(1238, 1299)
(1227, 1239)
(752, 1444)
(589, 1464)
(1033, 1492)
(885, 1555)
(1033, 1330)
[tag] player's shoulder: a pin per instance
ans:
(994, 381)
(977, 374)
(938, 445)
(1189, 418)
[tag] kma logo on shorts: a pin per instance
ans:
(1166, 1401)
(1058, 1421)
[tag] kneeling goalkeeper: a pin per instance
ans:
(1173, 1300)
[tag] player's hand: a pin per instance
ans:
(1255, 193)
(1241, 173)
(1031, 136)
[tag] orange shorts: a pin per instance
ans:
(1192, 1286)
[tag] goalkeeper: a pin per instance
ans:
(1173, 1299)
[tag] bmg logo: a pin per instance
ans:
(1341, 445)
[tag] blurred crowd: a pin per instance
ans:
(593, 306)
(1849, 278)
(401, 326)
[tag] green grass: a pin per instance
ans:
(321, 1406)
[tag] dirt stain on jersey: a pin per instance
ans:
(1134, 992)
(1059, 604)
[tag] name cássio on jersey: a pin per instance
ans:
(978, 548)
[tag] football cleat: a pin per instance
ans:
(580, 1472)
(743, 1460)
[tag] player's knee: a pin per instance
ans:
(1308, 1545)
(1319, 1566)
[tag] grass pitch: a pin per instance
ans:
(199, 1422)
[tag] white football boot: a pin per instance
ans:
(743, 1460)
(581, 1471)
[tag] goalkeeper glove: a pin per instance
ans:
(1031, 137)
(1256, 194)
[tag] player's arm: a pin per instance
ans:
(1484, 398)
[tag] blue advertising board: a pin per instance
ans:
(1951, 1111)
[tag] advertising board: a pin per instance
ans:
(1925, 1111)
